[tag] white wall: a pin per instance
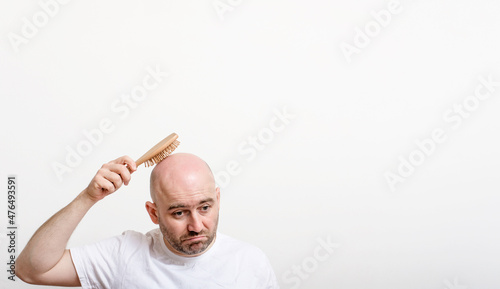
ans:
(359, 95)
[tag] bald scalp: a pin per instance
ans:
(179, 170)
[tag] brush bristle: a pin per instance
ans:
(162, 155)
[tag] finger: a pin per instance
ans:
(128, 161)
(120, 170)
(114, 178)
(103, 184)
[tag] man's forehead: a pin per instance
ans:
(188, 198)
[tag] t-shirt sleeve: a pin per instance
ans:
(98, 265)
(270, 280)
(252, 263)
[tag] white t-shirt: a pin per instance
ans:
(134, 260)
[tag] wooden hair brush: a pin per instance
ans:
(160, 151)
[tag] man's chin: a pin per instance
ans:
(192, 246)
(196, 247)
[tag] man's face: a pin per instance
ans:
(188, 219)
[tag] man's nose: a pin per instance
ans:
(195, 224)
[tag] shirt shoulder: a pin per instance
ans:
(235, 245)
(251, 262)
(99, 264)
(246, 253)
(135, 238)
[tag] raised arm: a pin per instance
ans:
(45, 259)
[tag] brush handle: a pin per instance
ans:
(157, 148)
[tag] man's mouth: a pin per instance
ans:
(195, 239)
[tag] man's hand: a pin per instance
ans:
(110, 177)
(45, 259)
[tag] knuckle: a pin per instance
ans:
(109, 187)
(101, 172)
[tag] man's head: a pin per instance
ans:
(185, 203)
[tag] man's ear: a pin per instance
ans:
(217, 192)
(152, 211)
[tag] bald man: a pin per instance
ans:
(186, 251)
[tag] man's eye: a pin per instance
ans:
(205, 208)
(178, 214)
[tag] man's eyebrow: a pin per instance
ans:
(176, 206)
(181, 205)
(207, 200)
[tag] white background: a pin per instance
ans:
(322, 176)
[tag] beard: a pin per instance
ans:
(182, 243)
